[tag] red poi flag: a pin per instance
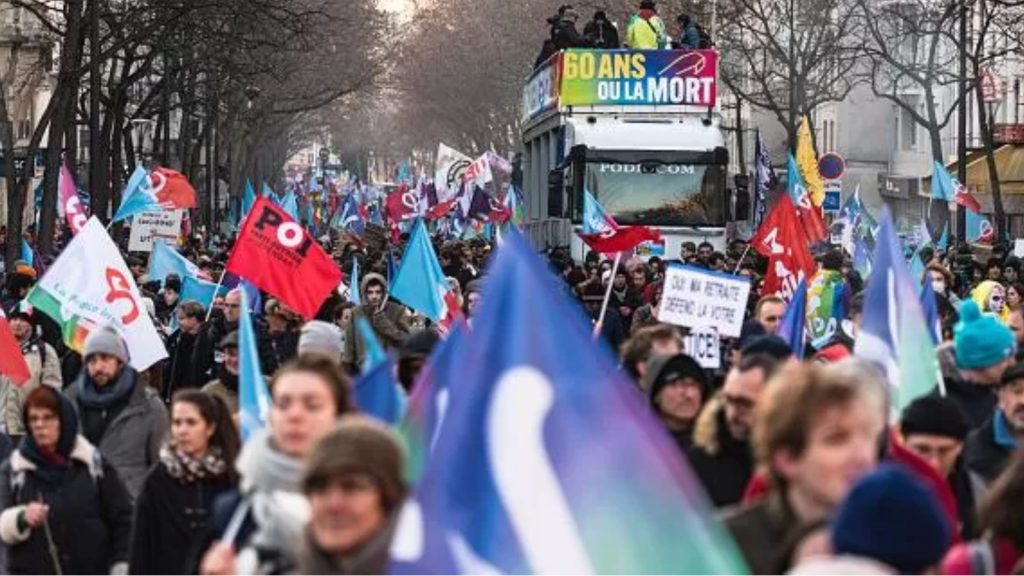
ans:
(12, 362)
(781, 239)
(278, 255)
(621, 239)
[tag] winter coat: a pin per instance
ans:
(178, 367)
(205, 357)
(89, 519)
(968, 488)
(631, 299)
(132, 439)
(390, 325)
(170, 519)
(284, 345)
(44, 367)
(988, 448)
(602, 35)
(976, 401)
(690, 37)
(645, 33)
(766, 534)
(565, 36)
(722, 463)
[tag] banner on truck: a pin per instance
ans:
(639, 77)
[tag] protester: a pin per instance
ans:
(933, 428)
(646, 30)
(689, 37)
(624, 297)
(601, 33)
(656, 340)
(564, 33)
(387, 319)
(989, 447)
(44, 369)
(721, 455)
(180, 347)
(413, 356)
(816, 431)
(1001, 548)
(355, 486)
(322, 339)
(890, 517)
(990, 296)
(473, 295)
(225, 385)
(678, 389)
(769, 311)
(196, 466)
(984, 349)
(65, 510)
(282, 330)
(308, 396)
(647, 315)
(123, 418)
(205, 361)
(167, 301)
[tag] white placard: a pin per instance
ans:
(703, 346)
(1018, 247)
(698, 298)
(154, 226)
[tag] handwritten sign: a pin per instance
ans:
(150, 227)
(703, 346)
(697, 298)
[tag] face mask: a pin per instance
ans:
(995, 303)
(939, 287)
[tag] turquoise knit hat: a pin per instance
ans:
(981, 340)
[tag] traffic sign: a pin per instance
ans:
(831, 165)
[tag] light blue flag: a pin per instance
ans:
(353, 289)
(253, 395)
(943, 184)
(248, 199)
(138, 196)
(201, 291)
(916, 268)
(374, 351)
(419, 282)
(26, 253)
(862, 259)
(595, 218)
(268, 192)
(290, 204)
(164, 260)
(979, 228)
(377, 394)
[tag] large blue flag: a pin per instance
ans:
(419, 282)
(248, 199)
(138, 196)
(164, 260)
(377, 393)
(943, 184)
(894, 332)
(26, 253)
(979, 228)
(930, 306)
(791, 326)
(350, 218)
(547, 460)
(253, 395)
(268, 192)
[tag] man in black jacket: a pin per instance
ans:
(601, 33)
(205, 359)
(988, 448)
(721, 455)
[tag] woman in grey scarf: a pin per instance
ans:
(259, 528)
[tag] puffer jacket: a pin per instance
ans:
(722, 463)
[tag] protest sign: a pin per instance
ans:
(1018, 248)
(150, 227)
(703, 346)
(698, 298)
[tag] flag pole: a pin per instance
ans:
(739, 262)
(608, 291)
(215, 291)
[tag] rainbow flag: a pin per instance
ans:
(546, 459)
(826, 297)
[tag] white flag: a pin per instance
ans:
(450, 166)
(90, 286)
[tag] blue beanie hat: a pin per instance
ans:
(891, 517)
(981, 340)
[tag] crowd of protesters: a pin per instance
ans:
(108, 470)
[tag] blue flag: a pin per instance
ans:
(26, 253)
(419, 282)
(374, 351)
(353, 288)
(164, 260)
(253, 395)
(931, 312)
(894, 332)
(595, 218)
(290, 204)
(248, 199)
(979, 228)
(764, 180)
(201, 291)
(536, 392)
(268, 192)
(791, 326)
(943, 184)
(862, 259)
(138, 196)
(377, 393)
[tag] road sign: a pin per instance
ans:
(831, 165)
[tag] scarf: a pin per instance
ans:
(370, 558)
(92, 397)
(52, 465)
(188, 469)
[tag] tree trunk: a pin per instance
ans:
(97, 127)
(14, 206)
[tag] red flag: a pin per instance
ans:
(172, 188)
(621, 239)
(401, 204)
(441, 210)
(12, 362)
(964, 198)
(277, 255)
(782, 239)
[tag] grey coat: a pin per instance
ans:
(132, 441)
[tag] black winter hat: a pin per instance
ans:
(664, 369)
(770, 344)
(935, 416)
(173, 282)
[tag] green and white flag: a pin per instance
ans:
(90, 286)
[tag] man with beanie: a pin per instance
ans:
(933, 428)
(413, 356)
(122, 417)
(354, 482)
(388, 320)
(984, 349)
(646, 30)
(321, 338)
(989, 447)
(225, 385)
(43, 366)
(890, 517)
(678, 388)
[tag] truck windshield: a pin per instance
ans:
(658, 189)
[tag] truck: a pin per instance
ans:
(640, 130)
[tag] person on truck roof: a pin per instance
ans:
(646, 30)
(601, 33)
(689, 36)
(564, 33)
